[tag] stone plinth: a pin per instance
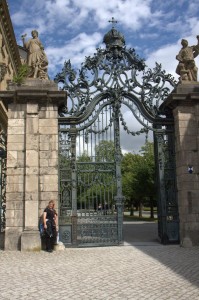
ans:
(184, 101)
(59, 247)
(32, 159)
(30, 241)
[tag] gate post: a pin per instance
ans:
(184, 102)
(32, 159)
(158, 150)
(168, 219)
(73, 135)
(119, 198)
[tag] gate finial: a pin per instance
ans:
(113, 21)
(113, 38)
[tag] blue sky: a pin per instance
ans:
(73, 29)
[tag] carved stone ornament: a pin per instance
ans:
(36, 59)
(3, 70)
(186, 67)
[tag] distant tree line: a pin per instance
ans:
(138, 179)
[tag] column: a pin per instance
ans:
(32, 159)
(184, 102)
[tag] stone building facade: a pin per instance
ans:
(9, 65)
(9, 53)
(10, 60)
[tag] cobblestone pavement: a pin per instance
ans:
(126, 272)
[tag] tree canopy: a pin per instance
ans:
(138, 174)
(105, 151)
(97, 181)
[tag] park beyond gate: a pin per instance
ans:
(113, 81)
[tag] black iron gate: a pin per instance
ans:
(113, 81)
(90, 182)
(168, 218)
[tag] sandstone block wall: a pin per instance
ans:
(185, 105)
(187, 155)
(32, 161)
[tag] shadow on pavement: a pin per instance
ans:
(182, 261)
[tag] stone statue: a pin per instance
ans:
(36, 57)
(186, 67)
(196, 47)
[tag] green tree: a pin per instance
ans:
(105, 151)
(148, 154)
(84, 176)
(84, 157)
(138, 172)
(96, 179)
(130, 169)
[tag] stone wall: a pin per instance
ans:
(184, 102)
(15, 175)
(32, 160)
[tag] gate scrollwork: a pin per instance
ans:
(113, 79)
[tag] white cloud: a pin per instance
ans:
(75, 50)
(129, 142)
(127, 13)
(166, 56)
(148, 36)
(19, 18)
(194, 24)
(78, 13)
(193, 7)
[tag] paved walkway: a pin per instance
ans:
(140, 233)
(137, 272)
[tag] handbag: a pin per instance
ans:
(41, 230)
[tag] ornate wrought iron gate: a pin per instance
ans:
(168, 218)
(111, 82)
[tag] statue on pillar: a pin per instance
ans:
(186, 67)
(36, 57)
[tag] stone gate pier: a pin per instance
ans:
(184, 102)
(32, 159)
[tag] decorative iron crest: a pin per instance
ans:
(115, 76)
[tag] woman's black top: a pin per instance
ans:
(51, 228)
(50, 214)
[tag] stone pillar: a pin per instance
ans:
(32, 159)
(184, 101)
